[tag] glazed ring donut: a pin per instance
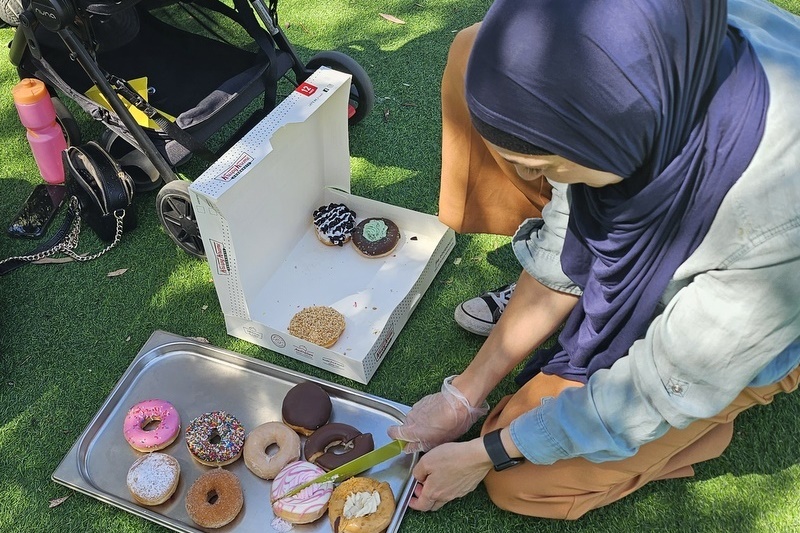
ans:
(215, 438)
(215, 498)
(136, 427)
(306, 408)
(260, 462)
(361, 505)
(321, 445)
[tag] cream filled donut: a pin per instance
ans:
(215, 438)
(153, 478)
(307, 505)
(138, 426)
(256, 457)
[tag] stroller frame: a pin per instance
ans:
(70, 22)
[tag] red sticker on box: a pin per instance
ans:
(306, 88)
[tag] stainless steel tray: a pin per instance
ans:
(197, 378)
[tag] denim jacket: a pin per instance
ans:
(731, 314)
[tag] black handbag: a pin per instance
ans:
(102, 188)
(100, 193)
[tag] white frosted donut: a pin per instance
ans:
(307, 505)
(256, 457)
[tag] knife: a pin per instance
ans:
(356, 466)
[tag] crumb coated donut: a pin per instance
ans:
(376, 237)
(136, 427)
(214, 499)
(320, 325)
(215, 438)
(334, 224)
(153, 478)
(322, 445)
(361, 505)
(306, 408)
(308, 504)
(260, 462)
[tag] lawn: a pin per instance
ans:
(69, 331)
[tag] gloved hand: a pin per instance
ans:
(437, 418)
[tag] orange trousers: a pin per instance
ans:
(480, 191)
(569, 488)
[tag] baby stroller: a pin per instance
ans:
(183, 77)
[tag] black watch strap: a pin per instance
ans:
(497, 452)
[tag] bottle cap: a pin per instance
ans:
(29, 91)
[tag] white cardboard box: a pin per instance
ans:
(254, 209)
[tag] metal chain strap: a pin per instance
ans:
(70, 242)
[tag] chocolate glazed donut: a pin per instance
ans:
(306, 407)
(318, 447)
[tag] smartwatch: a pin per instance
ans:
(497, 452)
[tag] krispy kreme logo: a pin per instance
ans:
(221, 257)
(244, 161)
(381, 351)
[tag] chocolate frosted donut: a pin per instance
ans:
(321, 446)
(376, 237)
(334, 223)
(306, 408)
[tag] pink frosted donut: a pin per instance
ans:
(308, 504)
(140, 416)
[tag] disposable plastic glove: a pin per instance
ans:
(437, 418)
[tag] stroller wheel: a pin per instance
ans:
(10, 10)
(362, 93)
(175, 211)
(69, 126)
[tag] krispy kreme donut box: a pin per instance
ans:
(254, 208)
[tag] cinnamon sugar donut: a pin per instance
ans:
(260, 462)
(361, 505)
(214, 499)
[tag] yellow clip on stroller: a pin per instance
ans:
(182, 74)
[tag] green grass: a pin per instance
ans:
(69, 332)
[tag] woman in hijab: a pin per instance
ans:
(674, 127)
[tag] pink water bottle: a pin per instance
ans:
(38, 115)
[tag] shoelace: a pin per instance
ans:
(502, 295)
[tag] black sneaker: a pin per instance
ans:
(479, 315)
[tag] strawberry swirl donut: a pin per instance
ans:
(215, 438)
(136, 427)
(308, 504)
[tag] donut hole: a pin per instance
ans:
(272, 450)
(212, 497)
(151, 424)
(339, 447)
(214, 437)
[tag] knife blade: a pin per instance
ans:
(354, 467)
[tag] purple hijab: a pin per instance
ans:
(662, 93)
